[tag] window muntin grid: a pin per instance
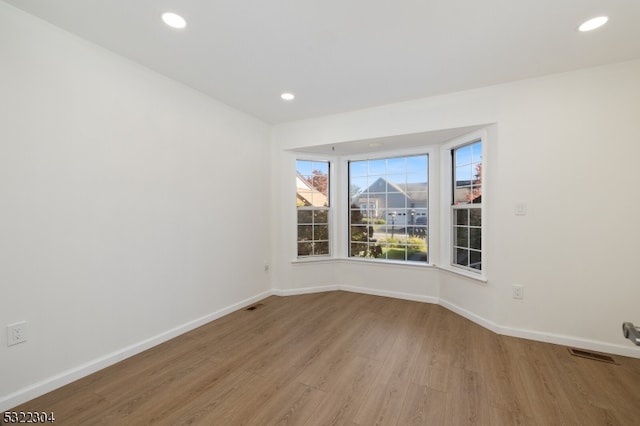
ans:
(388, 208)
(466, 209)
(313, 208)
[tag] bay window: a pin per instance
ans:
(384, 211)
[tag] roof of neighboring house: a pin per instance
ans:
(413, 191)
(308, 194)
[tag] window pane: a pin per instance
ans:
(385, 229)
(312, 183)
(305, 216)
(463, 155)
(305, 249)
(475, 260)
(463, 175)
(467, 174)
(475, 194)
(461, 195)
(396, 253)
(417, 164)
(417, 249)
(360, 233)
(357, 185)
(321, 232)
(417, 182)
(417, 221)
(475, 238)
(376, 183)
(461, 237)
(395, 180)
(321, 216)
(419, 231)
(476, 217)
(476, 152)
(415, 200)
(357, 210)
(358, 169)
(397, 165)
(321, 248)
(377, 167)
(420, 215)
(461, 216)
(462, 257)
(305, 232)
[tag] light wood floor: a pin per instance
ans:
(350, 359)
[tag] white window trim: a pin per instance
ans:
(440, 181)
(333, 228)
(432, 153)
(446, 182)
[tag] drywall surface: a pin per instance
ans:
(564, 146)
(130, 206)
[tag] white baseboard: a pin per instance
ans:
(59, 380)
(393, 294)
(558, 339)
(489, 325)
(354, 289)
(305, 290)
(37, 389)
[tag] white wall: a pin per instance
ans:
(130, 209)
(567, 146)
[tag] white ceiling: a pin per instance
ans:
(390, 143)
(340, 55)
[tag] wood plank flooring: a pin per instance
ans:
(340, 358)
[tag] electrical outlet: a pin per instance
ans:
(520, 209)
(517, 291)
(16, 333)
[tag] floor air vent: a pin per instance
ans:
(253, 307)
(591, 355)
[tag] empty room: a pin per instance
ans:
(319, 212)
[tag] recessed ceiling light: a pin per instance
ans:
(593, 23)
(173, 20)
(288, 96)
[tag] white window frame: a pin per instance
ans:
(431, 152)
(330, 211)
(440, 254)
(447, 207)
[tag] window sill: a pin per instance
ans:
(393, 263)
(307, 260)
(388, 262)
(480, 278)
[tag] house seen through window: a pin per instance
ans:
(384, 205)
(389, 208)
(312, 204)
(466, 208)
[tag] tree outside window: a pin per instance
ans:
(312, 204)
(467, 206)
